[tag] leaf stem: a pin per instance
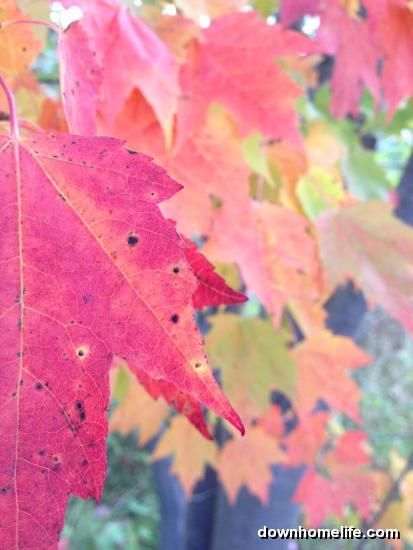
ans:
(39, 22)
(14, 123)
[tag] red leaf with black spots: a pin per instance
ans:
(87, 265)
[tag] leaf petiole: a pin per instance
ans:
(38, 22)
(14, 125)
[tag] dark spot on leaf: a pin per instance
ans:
(42, 452)
(79, 405)
(38, 386)
(176, 270)
(42, 471)
(21, 382)
(81, 353)
(85, 462)
(5, 490)
(175, 318)
(215, 201)
(131, 152)
(82, 415)
(14, 394)
(133, 240)
(197, 365)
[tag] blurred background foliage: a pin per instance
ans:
(128, 516)
(377, 152)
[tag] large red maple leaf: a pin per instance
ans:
(90, 269)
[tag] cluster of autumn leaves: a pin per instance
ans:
(267, 193)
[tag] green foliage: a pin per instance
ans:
(128, 515)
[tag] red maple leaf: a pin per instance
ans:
(347, 38)
(212, 289)
(88, 272)
(80, 79)
(349, 482)
(234, 64)
(391, 23)
(124, 46)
